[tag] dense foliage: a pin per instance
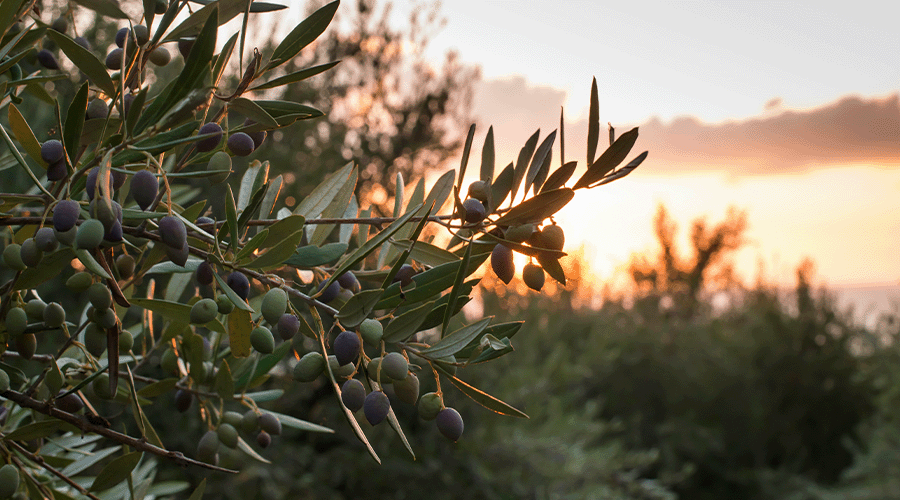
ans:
(123, 286)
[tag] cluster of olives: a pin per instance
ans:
(264, 425)
(549, 237)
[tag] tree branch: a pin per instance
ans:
(85, 426)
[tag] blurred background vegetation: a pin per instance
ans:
(691, 385)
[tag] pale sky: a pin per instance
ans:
(717, 63)
(816, 171)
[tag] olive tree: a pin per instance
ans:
(119, 286)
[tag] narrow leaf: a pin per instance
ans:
(75, 121)
(593, 138)
(622, 172)
(487, 156)
(610, 159)
(116, 471)
(279, 253)
(537, 208)
(456, 341)
(559, 177)
(297, 76)
(324, 193)
(235, 299)
(540, 157)
(358, 307)
(85, 61)
(454, 292)
(522, 163)
(25, 135)
(483, 398)
(502, 185)
(465, 156)
(303, 34)
(403, 326)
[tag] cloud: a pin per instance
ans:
(853, 130)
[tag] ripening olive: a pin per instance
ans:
(288, 326)
(9, 480)
(204, 273)
(348, 281)
(208, 447)
(450, 423)
(80, 40)
(26, 345)
(4, 381)
(114, 59)
(405, 275)
(183, 400)
(79, 281)
(395, 366)
(225, 305)
(65, 215)
(310, 366)
(12, 257)
(99, 296)
(160, 56)
(141, 34)
(97, 109)
(57, 171)
(121, 35)
(46, 240)
(144, 188)
(274, 304)
(52, 151)
(54, 315)
(185, 45)
(263, 439)
(34, 308)
(125, 265)
(270, 424)
(376, 407)
(474, 210)
(250, 422)
(430, 405)
(220, 162)
(346, 347)
(519, 233)
(30, 253)
(47, 59)
(330, 293)
(16, 321)
(172, 231)
(232, 418)
(94, 340)
(480, 190)
(551, 237)
(258, 137)
(126, 341)
(240, 144)
(204, 311)
(60, 24)
(70, 403)
(239, 283)
(407, 390)
(353, 394)
(502, 263)
(371, 331)
(262, 340)
(178, 256)
(169, 361)
(209, 143)
(533, 276)
(228, 435)
(90, 234)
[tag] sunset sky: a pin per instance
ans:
(786, 110)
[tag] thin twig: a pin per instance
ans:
(40, 461)
(85, 426)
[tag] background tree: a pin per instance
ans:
(385, 105)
